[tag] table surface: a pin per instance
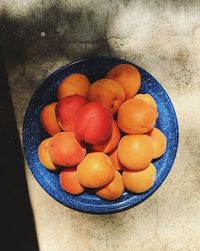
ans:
(164, 38)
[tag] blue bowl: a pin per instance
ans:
(33, 134)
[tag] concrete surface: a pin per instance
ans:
(161, 36)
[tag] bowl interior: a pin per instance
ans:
(33, 134)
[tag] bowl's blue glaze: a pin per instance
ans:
(33, 134)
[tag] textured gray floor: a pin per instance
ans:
(161, 36)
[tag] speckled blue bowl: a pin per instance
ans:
(33, 134)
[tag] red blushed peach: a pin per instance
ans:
(115, 160)
(112, 190)
(74, 84)
(93, 123)
(95, 170)
(67, 109)
(111, 143)
(69, 181)
(44, 157)
(65, 150)
(48, 119)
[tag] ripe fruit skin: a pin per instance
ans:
(136, 116)
(115, 160)
(159, 142)
(69, 181)
(135, 152)
(95, 170)
(107, 92)
(48, 119)
(112, 190)
(65, 150)
(147, 98)
(44, 157)
(128, 77)
(111, 143)
(93, 123)
(140, 181)
(67, 109)
(74, 84)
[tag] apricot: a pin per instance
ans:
(135, 152)
(65, 150)
(111, 143)
(93, 123)
(141, 181)
(159, 142)
(73, 84)
(69, 181)
(136, 116)
(108, 92)
(128, 77)
(44, 157)
(67, 109)
(112, 190)
(115, 160)
(95, 170)
(48, 119)
(148, 98)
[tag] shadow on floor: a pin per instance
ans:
(29, 42)
(17, 223)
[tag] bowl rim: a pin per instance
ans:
(122, 207)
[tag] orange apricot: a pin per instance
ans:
(135, 152)
(112, 190)
(115, 160)
(73, 84)
(141, 181)
(108, 92)
(65, 150)
(95, 170)
(136, 116)
(159, 142)
(128, 77)
(147, 98)
(48, 119)
(69, 181)
(111, 143)
(44, 157)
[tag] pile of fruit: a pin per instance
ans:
(103, 135)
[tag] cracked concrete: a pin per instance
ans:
(161, 36)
